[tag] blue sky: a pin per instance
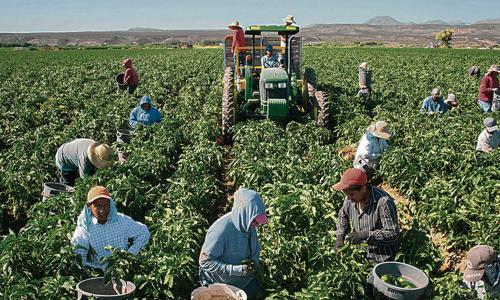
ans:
(81, 15)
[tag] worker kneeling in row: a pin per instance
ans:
(230, 253)
(100, 225)
(370, 148)
(145, 113)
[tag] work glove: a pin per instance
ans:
(248, 268)
(357, 237)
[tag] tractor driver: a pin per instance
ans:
(269, 60)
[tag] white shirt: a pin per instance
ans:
(369, 149)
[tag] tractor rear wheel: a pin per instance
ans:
(321, 109)
(228, 105)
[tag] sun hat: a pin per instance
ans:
(494, 68)
(98, 192)
(452, 99)
(380, 130)
(289, 19)
(234, 25)
(349, 178)
(100, 155)
(490, 124)
(363, 65)
(478, 258)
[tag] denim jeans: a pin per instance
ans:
(131, 89)
(67, 178)
(486, 106)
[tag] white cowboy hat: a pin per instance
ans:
(381, 130)
(494, 68)
(100, 155)
(234, 24)
(289, 19)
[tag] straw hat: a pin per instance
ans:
(363, 65)
(289, 19)
(381, 130)
(234, 25)
(494, 68)
(100, 155)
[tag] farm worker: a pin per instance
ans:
(434, 103)
(368, 215)
(371, 146)
(364, 80)
(100, 225)
(451, 101)
(474, 71)
(488, 86)
(238, 41)
(145, 113)
(131, 78)
(489, 139)
(269, 60)
(289, 21)
(230, 253)
(483, 271)
(81, 157)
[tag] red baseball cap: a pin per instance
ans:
(349, 178)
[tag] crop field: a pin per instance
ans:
(179, 179)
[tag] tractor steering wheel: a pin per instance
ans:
(271, 64)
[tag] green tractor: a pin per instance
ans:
(280, 93)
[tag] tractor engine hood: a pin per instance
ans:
(273, 75)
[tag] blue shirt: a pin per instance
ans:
(145, 117)
(231, 240)
(430, 105)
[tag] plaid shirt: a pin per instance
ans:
(113, 233)
(379, 217)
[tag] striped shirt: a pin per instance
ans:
(379, 217)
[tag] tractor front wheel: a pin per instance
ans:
(228, 106)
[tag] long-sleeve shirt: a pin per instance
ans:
(238, 39)
(145, 117)
(488, 83)
(379, 217)
(116, 233)
(131, 77)
(430, 105)
(488, 141)
(231, 240)
(369, 150)
(73, 157)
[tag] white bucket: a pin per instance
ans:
(218, 291)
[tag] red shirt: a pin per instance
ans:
(238, 39)
(131, 76)
(488, 83)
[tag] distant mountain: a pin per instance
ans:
(383, 20)
(457, 22)
(488, 21)
(141, 29)
(436, 22)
